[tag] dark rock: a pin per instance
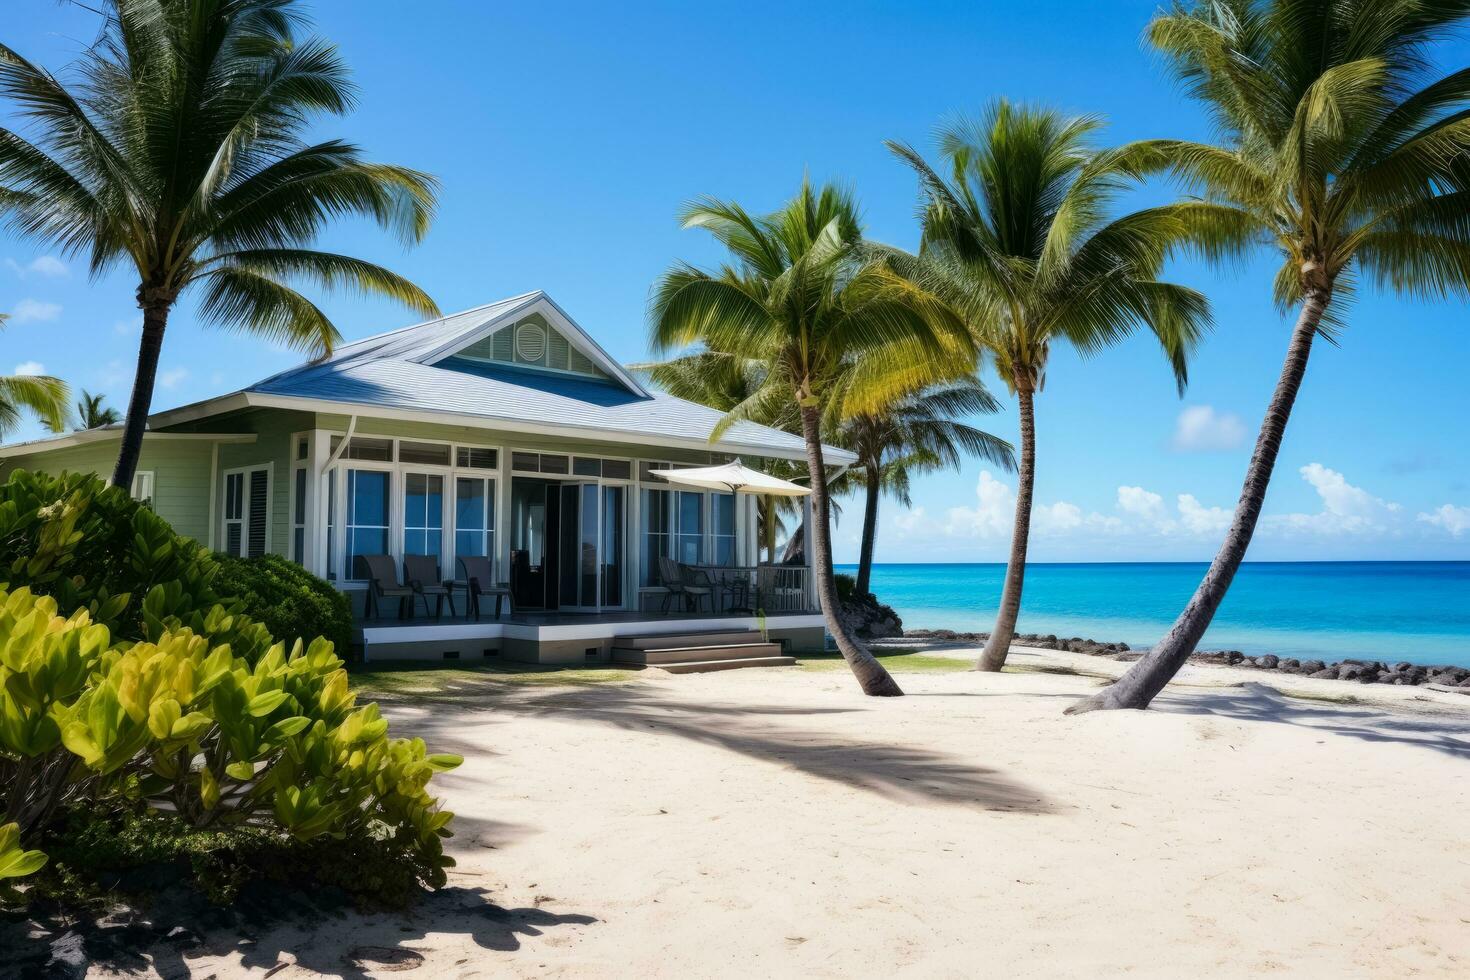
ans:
(183, 937)
(1289, 664)
(68, 957)
(868, 618)
(1312, 666)
(1270, 661)
(1329, 673)
(1234, 657)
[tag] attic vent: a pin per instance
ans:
(530, 342)
(559, 352)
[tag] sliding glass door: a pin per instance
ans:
(591, 546)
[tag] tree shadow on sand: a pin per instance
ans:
(280, 929)
(899, 772)
(1258, 702)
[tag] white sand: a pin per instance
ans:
(776, 823)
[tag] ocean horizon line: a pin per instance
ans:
(1200, 561)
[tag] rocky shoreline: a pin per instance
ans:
(1358, 671)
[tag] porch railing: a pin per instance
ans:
(749, 588)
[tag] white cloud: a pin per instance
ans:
(1200, 428)
(30, 368)
(1148, 522)
(28, 310)
(1142, 503)
(910, 520)
(1455, 520)
(45, 265)
(993, 514)
(173, 377)
(1346, 509)
(1196, 518)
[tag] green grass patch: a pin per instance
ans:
(407, 678)
(896, 661)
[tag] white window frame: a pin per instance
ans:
(490, 536)
(145, 480)
(299, 501)
(446, 491)
(244, 519)
(344, 469)
(398, 481)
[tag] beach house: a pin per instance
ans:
(505, 432)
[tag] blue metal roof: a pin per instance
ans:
(389, 371)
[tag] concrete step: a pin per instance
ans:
(654, 657)
(704, 666)
(695, 639)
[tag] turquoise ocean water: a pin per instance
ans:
(1418, 611)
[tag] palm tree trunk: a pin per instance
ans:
(1146, 678)
(993, 657)
(870, 531)
(155, 320)
(768, 508)
(870, 674)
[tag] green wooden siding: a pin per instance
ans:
(180, 475)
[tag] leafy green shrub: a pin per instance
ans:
(101, 852)
(195, 709)
(846, 586)
(287, 599)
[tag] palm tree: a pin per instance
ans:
(180, 153)
(916, 433)
(803, 294)
(725, 380)
(1021, 229)
(43, 396)
(93, 414)
(1340, 149)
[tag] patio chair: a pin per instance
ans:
(672, 581)
(479, 580)
(383, 584)
(698, 585)
(422, 572)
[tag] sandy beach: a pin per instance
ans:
(773, 822)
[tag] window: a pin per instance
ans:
(657, 541)
(473, 458)
(722, 527)
(474, 518)
(234, 513)
(423, 453)
(423, 515)
(538, 463)
(143, 488)
(608, 469)
(689, 528)
(247, 512)
(301, 448)
(332, 524)
(368, 510)
(298, 515)
(373, 450)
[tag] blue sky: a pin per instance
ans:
(567, 135)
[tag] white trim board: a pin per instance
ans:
(253, 399)
(435, 632)
(86, 436)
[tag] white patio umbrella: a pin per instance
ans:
(734, 477)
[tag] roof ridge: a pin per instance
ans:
(439, 319)
(346, 353)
